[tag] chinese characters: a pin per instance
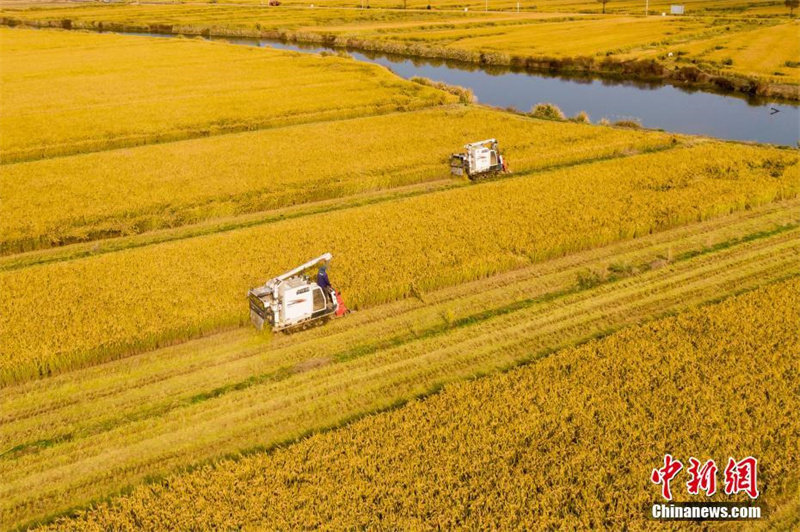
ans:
(739, 476)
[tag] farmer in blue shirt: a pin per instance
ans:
(322, 279)
(327, 289)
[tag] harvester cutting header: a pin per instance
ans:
(480, 159)
(293, 301)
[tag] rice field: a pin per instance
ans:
(600, 37)
(771, 51)
(53, 202)
(145, 415)
(106, 101)
(386, 9)
(146, 184)
(435, 241)
(556, 443)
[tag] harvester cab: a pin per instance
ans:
(292, 300)
(479, 159)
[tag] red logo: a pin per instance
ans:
(666, 474)
(741, 476)
(703, 478)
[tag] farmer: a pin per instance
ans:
(322, 279)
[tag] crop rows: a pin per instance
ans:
(153, 412)
(117, 91)
(768, 50)
(556, 443)
(557, 38)
(92, 196)
(141, 298)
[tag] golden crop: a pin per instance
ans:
(151, 413)
(119, 192)
(77, 312)
(567, 442)
(324, 153)
(115, 91)
(558, 38)
(765, 50)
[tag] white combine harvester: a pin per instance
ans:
(479, 160)
(292, 300)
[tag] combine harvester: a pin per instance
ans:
(293, 301)
(481, 159)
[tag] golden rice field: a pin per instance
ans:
(559, 443)
(562, 36)
(242, 16)
(148, 414)
(192, 89)
(71, 199)
(146, 184)
(699, 7)
(768, 50)
(635, 7)
(141, 298)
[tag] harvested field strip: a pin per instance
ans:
(556, 38)
(117, 91)
(260, 393)
(121, 192)
(188, 288)
(556, 443)
(766, 50)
